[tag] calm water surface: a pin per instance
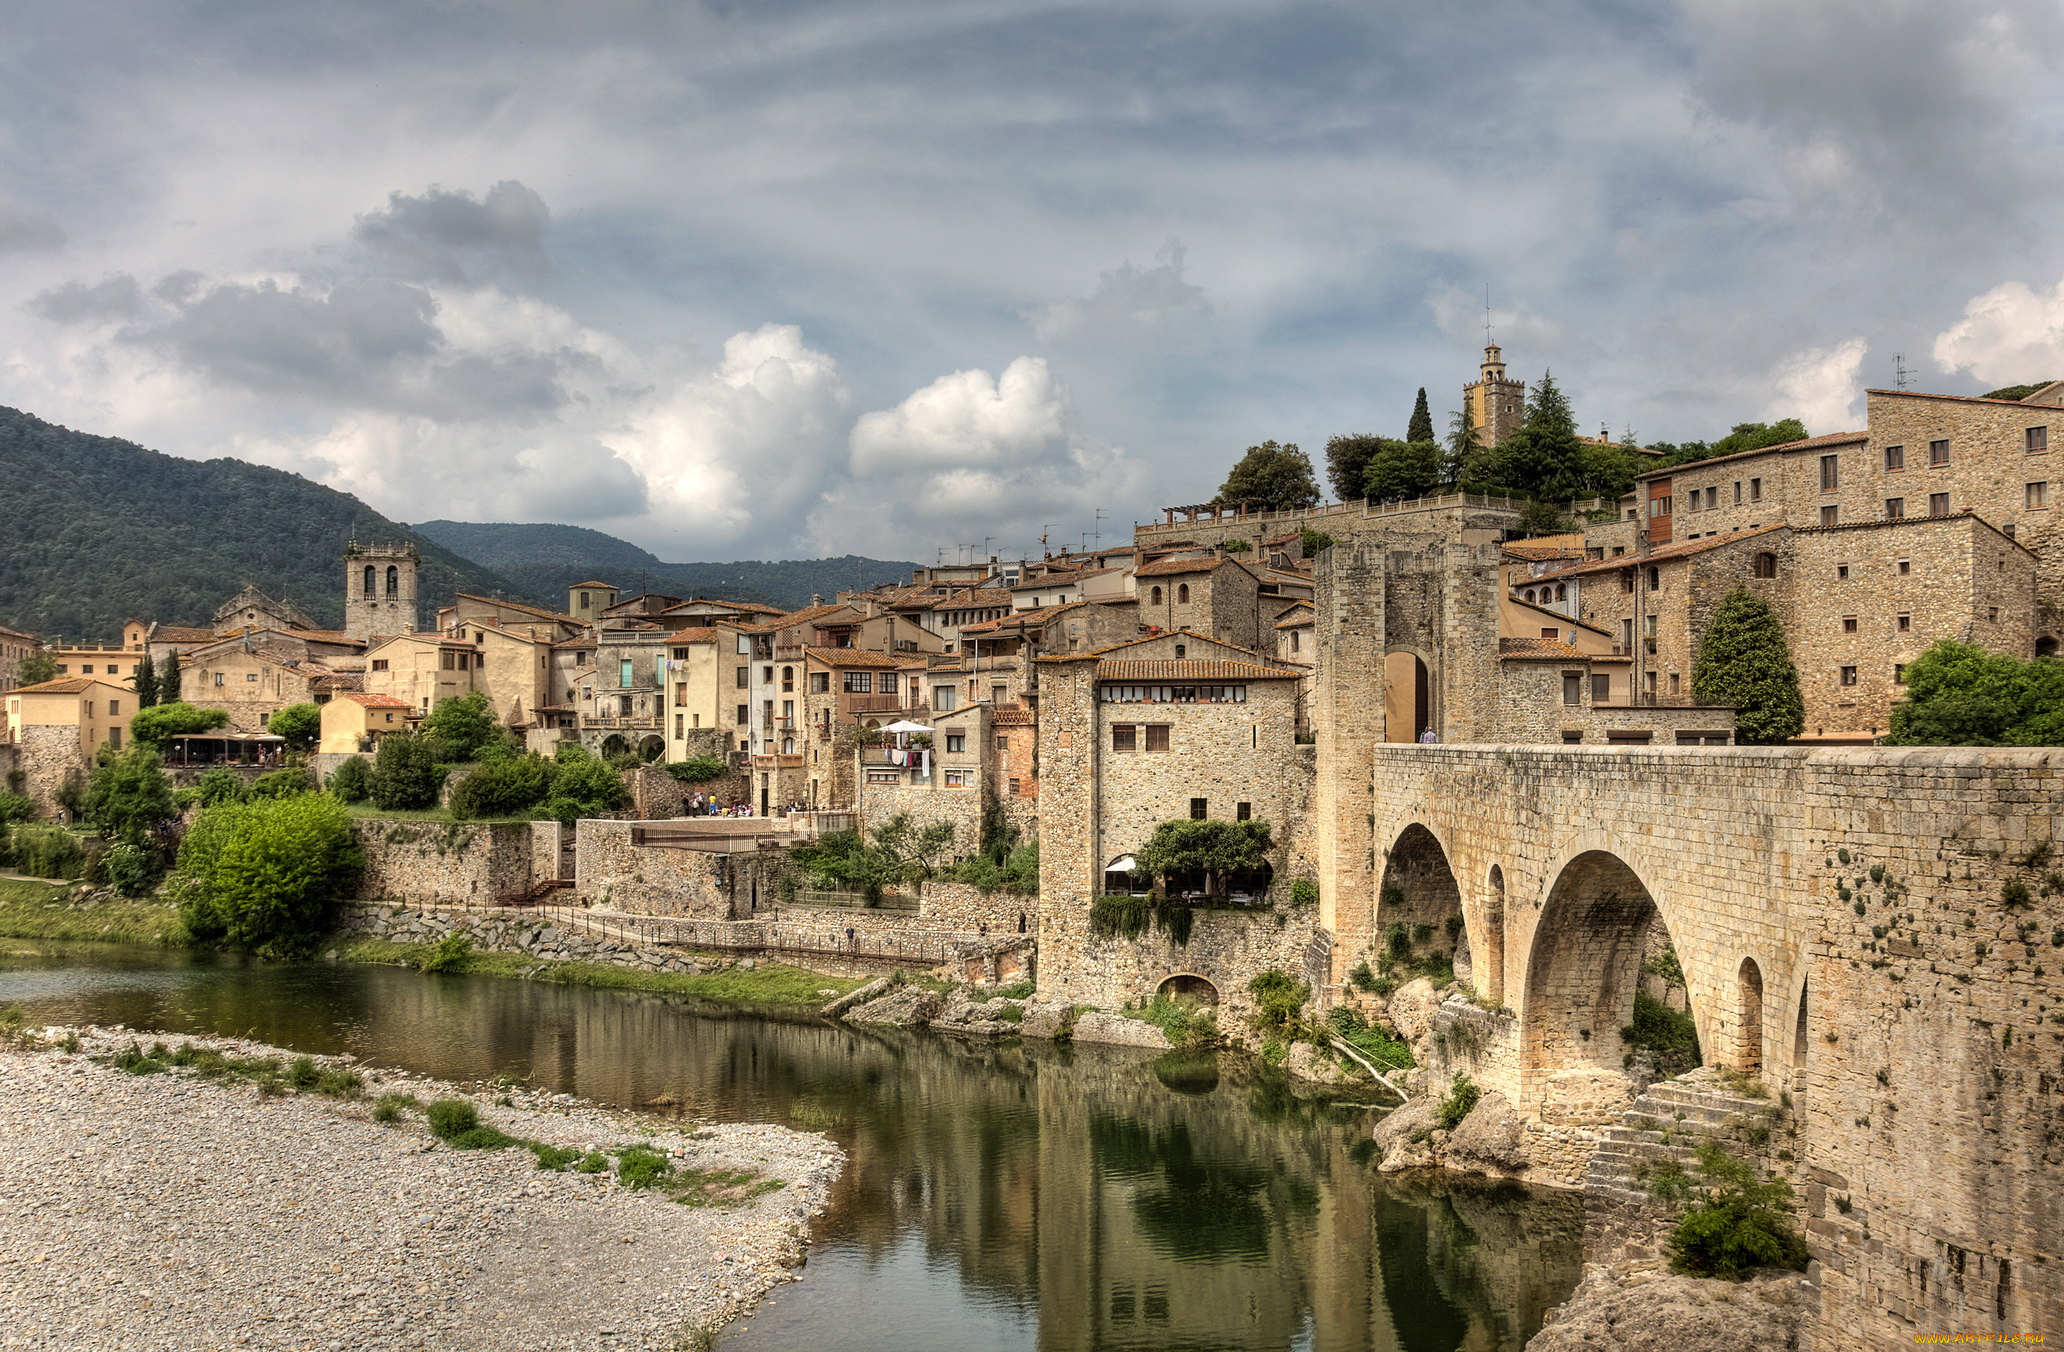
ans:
(997, 1197)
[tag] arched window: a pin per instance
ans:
(1655, 578)
(393, 580)
(1155, 598)
(1530, 595)
(1562, 591)
(369, 583)
(1766, 565)
(1182, 594)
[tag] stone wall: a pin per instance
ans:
(657, 880)
(459, 863)
(47, 755)
(1228, 948)
(959, 906)
(1865, 929)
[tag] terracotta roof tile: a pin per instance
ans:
(374, 701)
(605, 586)
(1537, 648)
(1810, 443)
(852, 657)
(539, 611)
(1123, 669)
(1171, 567)
(701, 635)
(63, 685)
(1682, 549)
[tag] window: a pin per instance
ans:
(945, 698)
(1601, 687)
(114, 708)
(1841, 570)
(1737, 492)
(1755, 490)
(1848, 624)
(1200, 808)
(1992, 613)
(997, 693)
(820, 682)
(219, 678)
(1830, 515)
(115, 738)
(2036, 440)
(1713, 497)
(1676, 683)
(956, 741)
(1572, 687)
(956, 779)
(1904, 624)
(680, 725)
(1938, 453)
(1572, 736)
(1764, 565)
(587, 692)
(623, 706)
(624, 676)
(1017, 788)
(1243, 812)
(1627, 580)
(379, 664)
(1895, 509)
(2036, 495)
(1182, 594)
(788, 678)
(1174, 694)
(1003, 743)
(1830, 473)
(580, 659)
(1551, 633)
(1293, 640)
(1659, 506)
(766, 674)
(1899, 674)
(857, 682)
(1155, 596)
(1124, 737)
(1157, 736)
(1938, 504)
(1655, 578)
(884, 776)
(1895, 457)
(744, 714)
(1848, 675)
(1903, 567)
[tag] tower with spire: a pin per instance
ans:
(1496, 405)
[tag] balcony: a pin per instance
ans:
(876, 704)
(648, 723)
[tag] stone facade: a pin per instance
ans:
(449, 863)
(613, 871)
(961, 907)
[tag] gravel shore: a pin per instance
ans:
(165, 1211)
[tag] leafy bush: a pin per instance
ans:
(463, 725)
(1672, 1036)
(159, 724)
(219, 786)
(405, 775)
(264, 875)
(451, 1117)
(1279, 1000)
(351, 782)
(46, 851)
(452, 954)
(131, 870)
(1738, 1224)
(582, 786)
(1186, 1027)
(898, 851)
(1017, 874)
(1463, 1095)
(300, 724)
(282, 784)
(1304, 892)
(1959, 694)
(699, 769)
(503, 788)
(16, 807)
(129, 796)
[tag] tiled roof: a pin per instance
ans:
(1292, 575)
(63, 685)
(1557, 615)
(1155, 638)
(1810, 443)
(1682, 549)
(605, 586)
(374, 701)
(1965, 515)
(1957, 398)
(807, 615)
(1537, 648)
(339, 681)
(852, 657)
(1024, 619)
(575, 643)
(518, 605)
(1134, 670)
(1170, 567)
(974, 598)
(701, 635)
(1548, 548)
(1297, 622)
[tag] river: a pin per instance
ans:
(997, 1199)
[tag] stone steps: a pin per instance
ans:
(1689, 1112)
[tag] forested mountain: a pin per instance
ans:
(547, 559)
(96, 530)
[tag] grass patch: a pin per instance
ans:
(31, 910)
(1463, 1095)
(768, 984)
(1187, 1027)
(364, 809)
(302, 1075)
(1657, 1028)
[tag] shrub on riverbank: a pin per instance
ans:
(1738, 1222)
(767, 984)
(265, 875)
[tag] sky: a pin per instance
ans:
(786, 279)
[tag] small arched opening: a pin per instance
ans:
(1562, 591)
(650, 749)
(1189, 989)
(1765, 565)
(1154, 596)
(1182, 594)
(393, 580)
(1489, 969)
(2046, 646)
(370, 585)
(1419, 925)
(1748, 1019)
(1530, 595)
(1405, 698)
(1799, 1043)
(614, 745)
(1122, 880)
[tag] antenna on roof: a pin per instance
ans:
(1486, 314)
(1901, 377)
(1098, 534)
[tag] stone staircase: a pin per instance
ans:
(1669, 1120)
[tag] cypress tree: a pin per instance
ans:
(1743, 661)
(1421, 426)
(168, 681)
(145, 683)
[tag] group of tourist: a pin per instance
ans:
(702, 804)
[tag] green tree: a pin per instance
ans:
(1420, 428)
(1959, 694)
(1743, 661)
(898, 851)
(300, 724)
(1544, 459)
(405, 774)
(350, 782)
(1312, 541)
(1744, 437)
(699, 769)
(1272, 478)
(1347, 463)
(129, 795)
(37, 666)
(145, 683)
(168, 680)
(266, 875)
(582, 786)
(464, 725)
(219, 785)
(158, 725)
(504, 788)
(1216, 849)
(1739, 1223)
(1403, 469)
(1469, 461)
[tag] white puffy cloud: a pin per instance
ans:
(971, 455)
(1820, 387)
(2010, 335)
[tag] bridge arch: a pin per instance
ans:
(1590, 942)
(1407, 695)
(1487, 950)
(1188, 987)
(1419, 920)
(1748, 1018)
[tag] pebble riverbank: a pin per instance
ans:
(167, 1212)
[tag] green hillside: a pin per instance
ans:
(99, 530)
(546, 559)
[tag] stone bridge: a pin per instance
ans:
(1877, 934)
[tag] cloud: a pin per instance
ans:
(109, 301)
(971, 454)
(23, 230)
(2010, 335)
(1820, 387)
(1129, 302)
(456, 238)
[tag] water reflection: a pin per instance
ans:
(1007, 1197)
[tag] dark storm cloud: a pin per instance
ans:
(456, 237)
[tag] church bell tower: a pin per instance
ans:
(380, 590)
